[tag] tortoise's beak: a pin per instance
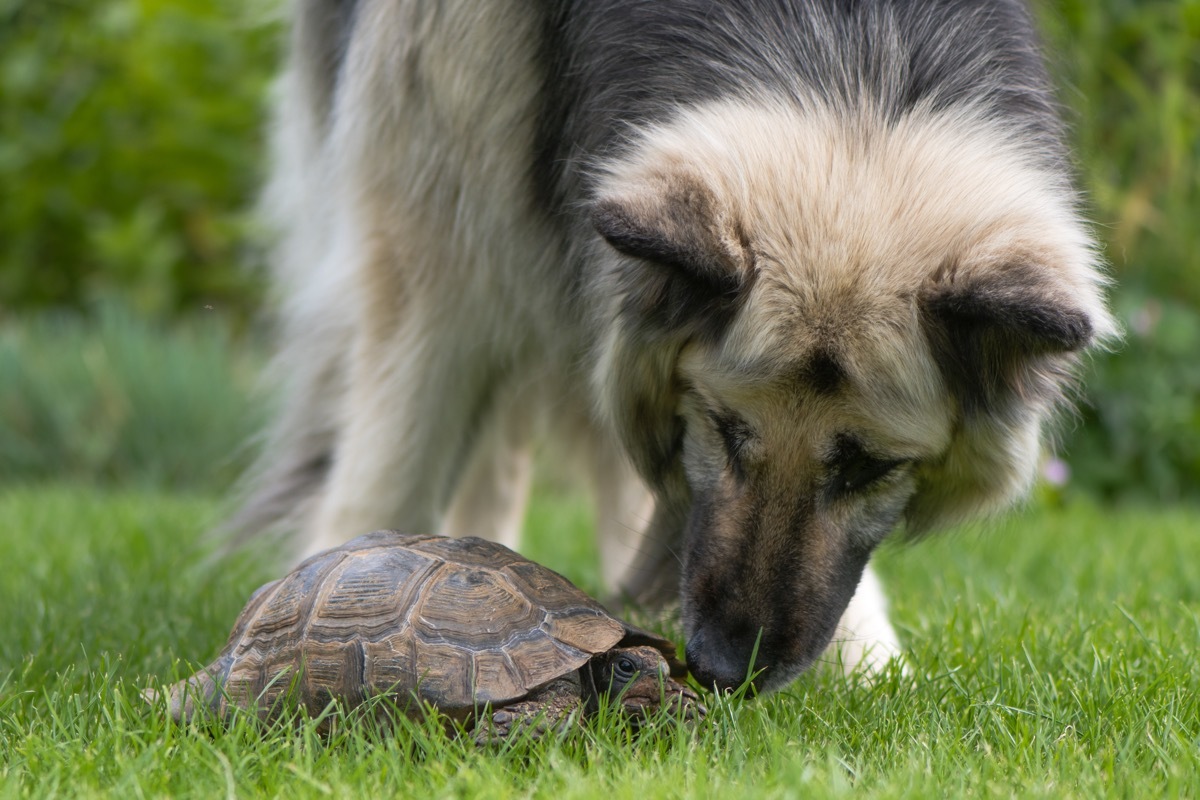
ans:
(649, 692)
(642, 695)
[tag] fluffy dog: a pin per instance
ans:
(786, 274)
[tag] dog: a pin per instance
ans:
(785, 276)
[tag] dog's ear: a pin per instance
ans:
(692, 258)
(687, 269)
(1006, 337)
(1005, 334)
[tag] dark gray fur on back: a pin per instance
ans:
(611, 64)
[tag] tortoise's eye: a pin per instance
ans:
(624, 668)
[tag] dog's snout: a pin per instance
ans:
(721, 662)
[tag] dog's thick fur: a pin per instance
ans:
(809, 270)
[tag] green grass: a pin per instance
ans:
(1054, 656)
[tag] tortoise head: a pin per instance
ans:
(638, 680)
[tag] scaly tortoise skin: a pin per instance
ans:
(459, 624)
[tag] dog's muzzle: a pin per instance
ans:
(721, 662)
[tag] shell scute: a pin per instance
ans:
(390, 666)
(242, 684)
(332, 669)
(285, 610)
(383, 539)
(443, 672)
(539, 657)
(584, 629)
(251, 612)
(546, 588)
(472, 608)
(468, 551)
(368, 595)
(497, 680)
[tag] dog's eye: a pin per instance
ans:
(859, 475)
(736, 434)
(855, 469)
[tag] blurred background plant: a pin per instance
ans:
(131, 149)
(116, 399)
(1130, 71)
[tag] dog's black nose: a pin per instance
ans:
(721, 662)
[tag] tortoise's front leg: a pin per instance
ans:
(548, 709)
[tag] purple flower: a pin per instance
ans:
(1056, 472)
(1145, 319)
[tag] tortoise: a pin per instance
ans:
(492, 640)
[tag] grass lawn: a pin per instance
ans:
(1055, 655)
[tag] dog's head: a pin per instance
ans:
(826, 327)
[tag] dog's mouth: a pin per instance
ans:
(728, 649)
(753, 664)
(740, 662)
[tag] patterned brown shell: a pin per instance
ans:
(454, 622)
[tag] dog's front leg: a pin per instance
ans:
(409, 416)
(491, 495)
(653, 577)
(865, 640)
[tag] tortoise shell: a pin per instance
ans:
(457, 623)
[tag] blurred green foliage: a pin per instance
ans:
(1130, 71)
(116, 399)
(1139, 435)
(131, 151)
